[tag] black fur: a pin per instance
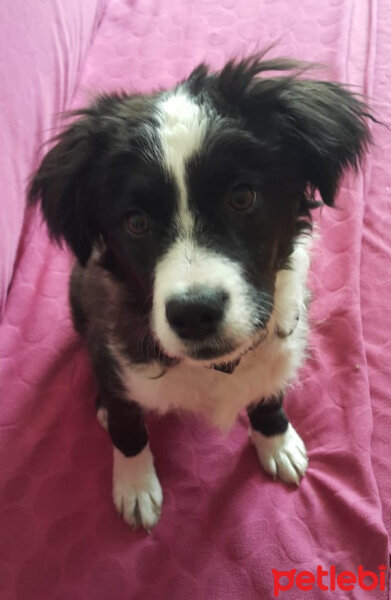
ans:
(268, 416)
(309, 132)
(126, 426)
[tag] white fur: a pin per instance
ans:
(262, 372)
(137, 493)
(283, 455)
(102, 416)
(183, 126)
(291, 295)
(185, 266)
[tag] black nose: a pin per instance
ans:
(197, 314)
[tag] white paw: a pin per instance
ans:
(137, 493)
(283, 455)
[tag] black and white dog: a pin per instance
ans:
(189, 213)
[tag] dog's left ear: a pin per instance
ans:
(328, 127)
(322, 126)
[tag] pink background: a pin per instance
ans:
(225, 524)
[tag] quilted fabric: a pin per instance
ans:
(225, 524)
(375, 267)
(42, 46)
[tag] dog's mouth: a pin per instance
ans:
(219, 358)
(222, 356)
(211, 352)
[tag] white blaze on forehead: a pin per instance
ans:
(183, 126)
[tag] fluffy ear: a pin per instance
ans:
(328, 126)
(324, 126)
(63, 184)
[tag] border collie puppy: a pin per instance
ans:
(188, 211)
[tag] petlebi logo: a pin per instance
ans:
(329, 580)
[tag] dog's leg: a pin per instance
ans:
(137, 493)
(280, 449)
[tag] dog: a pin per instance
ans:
(189, 214)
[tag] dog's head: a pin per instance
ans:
(197, 194)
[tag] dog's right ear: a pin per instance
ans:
(64, 186)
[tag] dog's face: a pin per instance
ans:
(196, 195)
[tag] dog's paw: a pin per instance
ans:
(137, 493)
(283, 455)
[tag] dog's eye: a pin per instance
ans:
(242, 198)
(137, 222)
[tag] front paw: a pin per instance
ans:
(137, 493)
(282, 455)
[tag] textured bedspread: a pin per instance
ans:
(43, 45)
(225, 524)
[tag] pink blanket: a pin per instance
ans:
(42, 48)
(225, 524)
